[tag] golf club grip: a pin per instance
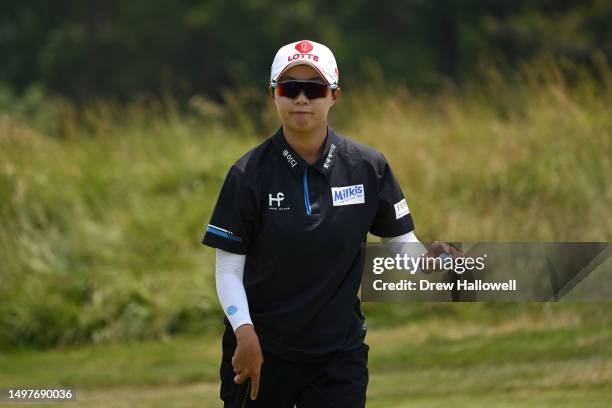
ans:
(242, 395)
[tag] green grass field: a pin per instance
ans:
(543, 356)
(104, 284)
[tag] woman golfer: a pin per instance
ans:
(288, 226)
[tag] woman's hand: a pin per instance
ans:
(438, 248)
(247, 358)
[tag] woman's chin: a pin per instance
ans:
(302, 125)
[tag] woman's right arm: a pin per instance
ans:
(229, 271)
(247, 357)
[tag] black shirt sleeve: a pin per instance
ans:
(231, 223)
(393, 216)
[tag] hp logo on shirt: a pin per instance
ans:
(279, 197)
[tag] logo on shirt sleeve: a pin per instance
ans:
(348, 195)
(401, 209)
(213, 229)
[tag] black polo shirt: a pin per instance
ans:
(301, 228)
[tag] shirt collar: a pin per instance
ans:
(297, 165)
(325, 163)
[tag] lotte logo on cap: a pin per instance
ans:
(304, 47)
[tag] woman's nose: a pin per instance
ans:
(301, 98)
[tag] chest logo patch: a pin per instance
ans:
(279, 197)
(348, 195)
(274, 202)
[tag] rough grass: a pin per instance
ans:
(102, 208)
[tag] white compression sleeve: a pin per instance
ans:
(407, 244)
(229, 271)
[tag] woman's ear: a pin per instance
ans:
(336, 94)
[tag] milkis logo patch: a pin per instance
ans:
(348, 195)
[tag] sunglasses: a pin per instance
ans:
(312, 89)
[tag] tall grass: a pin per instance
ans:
(102, 208)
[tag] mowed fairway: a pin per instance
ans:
(554, 359)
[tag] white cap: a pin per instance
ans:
(305, 52)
